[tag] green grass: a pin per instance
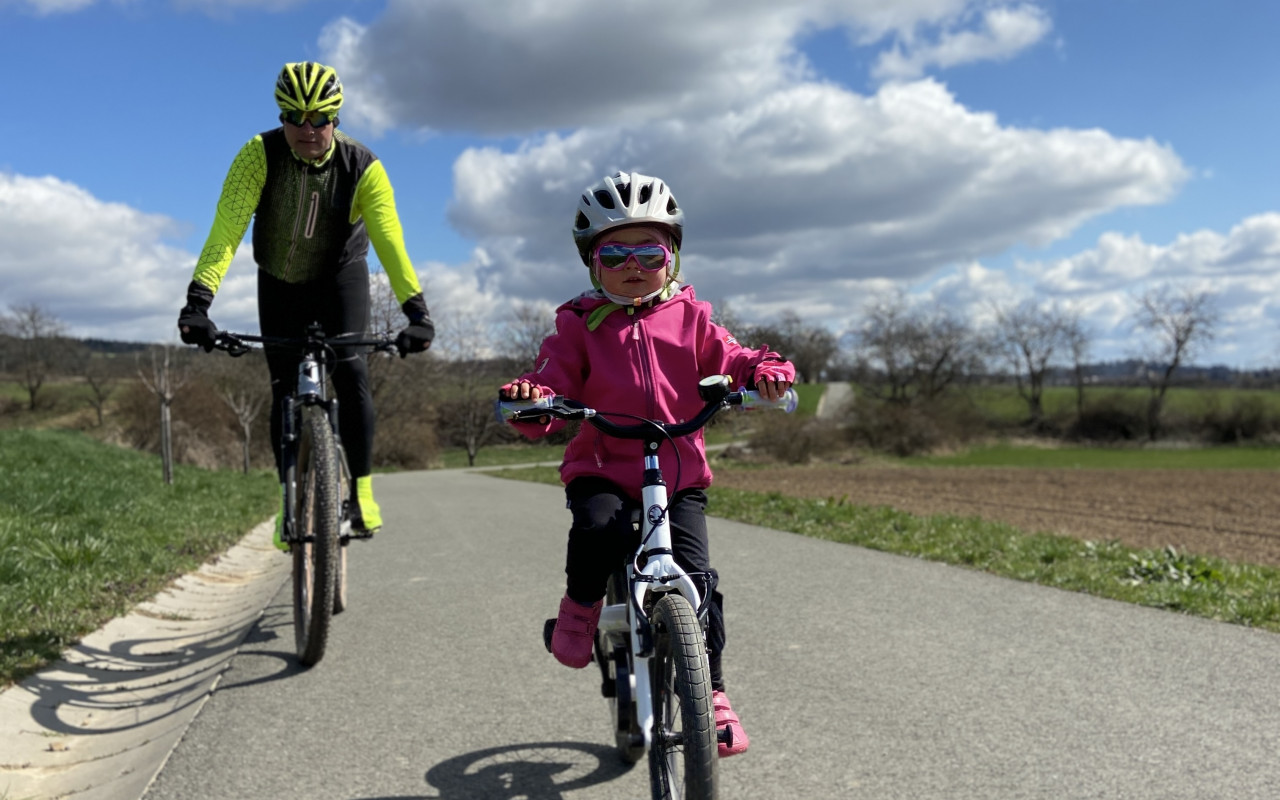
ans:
(88, 530)
(1243, 594)
(1004, 404)
(1107, 458)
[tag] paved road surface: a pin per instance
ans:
(857, 674)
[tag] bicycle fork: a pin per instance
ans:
(659, 573)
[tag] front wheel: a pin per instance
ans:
(682, 755)
(315, 552)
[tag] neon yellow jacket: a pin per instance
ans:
(310, 218)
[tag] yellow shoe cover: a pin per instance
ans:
(368, 516)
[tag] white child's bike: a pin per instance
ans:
(651, 638)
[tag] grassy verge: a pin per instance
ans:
(88, 530)
(1244, 594)
(1106, 458)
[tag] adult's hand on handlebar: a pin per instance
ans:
(772, 390)
(416, 337)
(195, 327)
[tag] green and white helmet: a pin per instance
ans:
(622, 200)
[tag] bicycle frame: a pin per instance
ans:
(311, 389)
(658, 573)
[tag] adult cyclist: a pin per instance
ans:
(317, 198)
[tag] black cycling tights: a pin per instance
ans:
(602, 538)
(340, 303)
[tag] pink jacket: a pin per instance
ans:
(647, 364)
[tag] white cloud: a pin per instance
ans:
(809, 187)
(45, 7)
(103, 268)
(1240, 267)
(514, 67)
(1004, 32)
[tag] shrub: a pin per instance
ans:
(1112, 418)
(792, 439)
(1246, 419)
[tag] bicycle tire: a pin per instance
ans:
(315, 554)
(616, 659)
(683, 752)
(344, 492)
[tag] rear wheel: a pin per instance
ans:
(615, 653)
(316, 549)
(682, 755)
(340, 573)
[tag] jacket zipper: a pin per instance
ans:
(297, 220)
(646, 368)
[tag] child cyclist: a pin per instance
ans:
(637, 344)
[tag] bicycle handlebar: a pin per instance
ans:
(717, 397)
(237, 344)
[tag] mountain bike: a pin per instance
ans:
(317, 480)
(651, 637)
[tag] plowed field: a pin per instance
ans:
(1226, 513)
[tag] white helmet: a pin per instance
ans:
(622, 200)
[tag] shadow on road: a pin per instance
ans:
(539, 771)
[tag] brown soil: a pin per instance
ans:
(1227, 513)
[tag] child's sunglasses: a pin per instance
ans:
(318, 119)
(614, 256)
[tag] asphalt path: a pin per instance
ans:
(857, 675)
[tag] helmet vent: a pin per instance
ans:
(581, 223)
(671, 205)
(603, 198)
(646, 192)
(624, 191)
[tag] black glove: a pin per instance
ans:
(418, 334)
(416, 337)
(194, 325)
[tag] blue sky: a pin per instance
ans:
(967, 152)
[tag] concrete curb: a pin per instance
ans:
(100, 723)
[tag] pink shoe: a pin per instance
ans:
(725, 718)
(573, 641)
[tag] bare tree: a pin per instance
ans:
(245, 388)
(1180, 321)
(906, 353)
(1030, 338)
(37, 345)
(164, 381)
(809, 347)
(522, 336)
(471, 380)
(1078, 342)
(100, 376)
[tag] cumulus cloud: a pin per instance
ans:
(103, 268)
(1003, 33)
(512, 67)
(809, 187)
(46, 7)
(1240, 267)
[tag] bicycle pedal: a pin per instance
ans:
(548, 628)
(725, 736)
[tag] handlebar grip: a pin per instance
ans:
(506, 410)
(752, 400)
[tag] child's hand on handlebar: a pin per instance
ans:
(520, 390)
(523, 390)
(772, 390)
